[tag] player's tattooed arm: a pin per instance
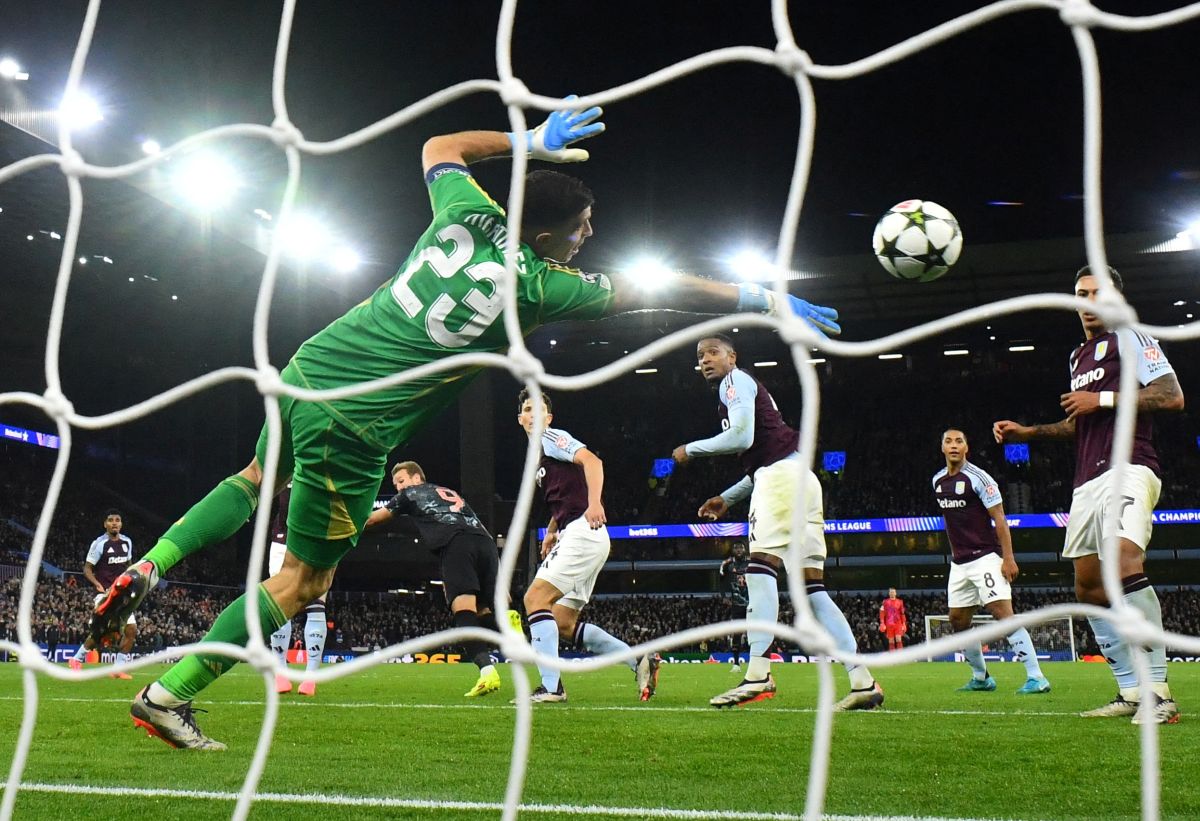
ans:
(1008, 431)
(1163, 394)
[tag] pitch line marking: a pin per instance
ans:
(481, 806)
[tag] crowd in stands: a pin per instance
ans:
(180, 614)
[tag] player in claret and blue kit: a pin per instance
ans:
(1091, 421)
(982, 565)
(753, 428)
(445, 300)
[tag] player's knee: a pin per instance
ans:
(1089, 592)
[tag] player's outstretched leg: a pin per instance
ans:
(596, 640)
(762, 588)
(315, 631)
(865, 693)
(76, 661)
(214, 518)
(164, 707)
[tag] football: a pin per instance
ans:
(917, 240)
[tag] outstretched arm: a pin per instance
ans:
(1008, 431)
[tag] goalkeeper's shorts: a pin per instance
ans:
(335, 477)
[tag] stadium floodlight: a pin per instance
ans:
(174, 298)
(151, 147)
(10, 68)
(1023, 348)
(817, 361)
(1193, 228)
(650, 274)
(955, 352)
(83, 260)
(29, 237)
(303, 236)
(767, 364)
(261, 214)
(80, 110)
(206, 181)
(891, 356)
(345, 260)
(751, 266)
(646, 370)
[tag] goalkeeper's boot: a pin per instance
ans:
(543, 696)
(124, 596)
(121, 675)
(282, 684)
(869, 698)
(1033, 686)
(1117, 708)
(747, 692)
(514, 619)
(174, 725)
(486, 684)
(307, 688)
(1162, 711)
(984, 685)
(74, 663)
(647, 675)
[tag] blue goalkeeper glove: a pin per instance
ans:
(549, 140)
(754, 298)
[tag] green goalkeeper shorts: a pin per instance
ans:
(335, 479)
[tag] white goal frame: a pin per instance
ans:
(986, 619)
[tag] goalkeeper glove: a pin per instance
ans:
(549, 140)
(756, 299)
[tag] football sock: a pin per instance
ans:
(762, 588)
(832, 619)
(81, 653)
(1025, 652)
(596, 640)
(122, 658)
(475, 649)
(1115, 652)
(214, 518)
(543, 634)
(488, 621)
(315, 629)
(973, 653)
(280, 640)
(1139, 594)
(192, 674)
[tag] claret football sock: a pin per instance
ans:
(214, 518)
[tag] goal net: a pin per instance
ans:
(1078, 17)
(1053, 638)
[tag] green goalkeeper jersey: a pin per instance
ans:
(445, 300)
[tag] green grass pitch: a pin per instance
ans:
(406, 732)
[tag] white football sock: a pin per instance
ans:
(280, 640)
(1026, 653)
(543, 635)
(834, 620)
(315, 630)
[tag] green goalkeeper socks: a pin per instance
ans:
(191, 675)
(215, 517)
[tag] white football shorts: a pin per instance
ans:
(776, 489)
(1138, 495)
(100, 597)
(977, 583)
(575, 562)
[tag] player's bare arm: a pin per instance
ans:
(713, 509)
(593, 474)
(1163, 394)
(1008, 431)
(680, 455)
(1008, 562)
(465, 148)
(88, 567)
(377, 518)
(549, 539)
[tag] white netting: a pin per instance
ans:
(1079, 15)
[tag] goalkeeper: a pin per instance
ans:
(445, 300)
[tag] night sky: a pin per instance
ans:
(690, 171)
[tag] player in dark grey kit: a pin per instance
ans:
(108, 557)
(982, 565)
(752, 428)
(1091, 421)
(733, 574)
(573, 553)
(468, 554)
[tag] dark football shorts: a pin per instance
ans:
(469, 565)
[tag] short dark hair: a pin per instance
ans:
(552, 198)
(112, 511)
(960, 430)
(524, 395)
(724, 337)
(1086, 271)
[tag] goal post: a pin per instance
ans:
(1054, 639)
